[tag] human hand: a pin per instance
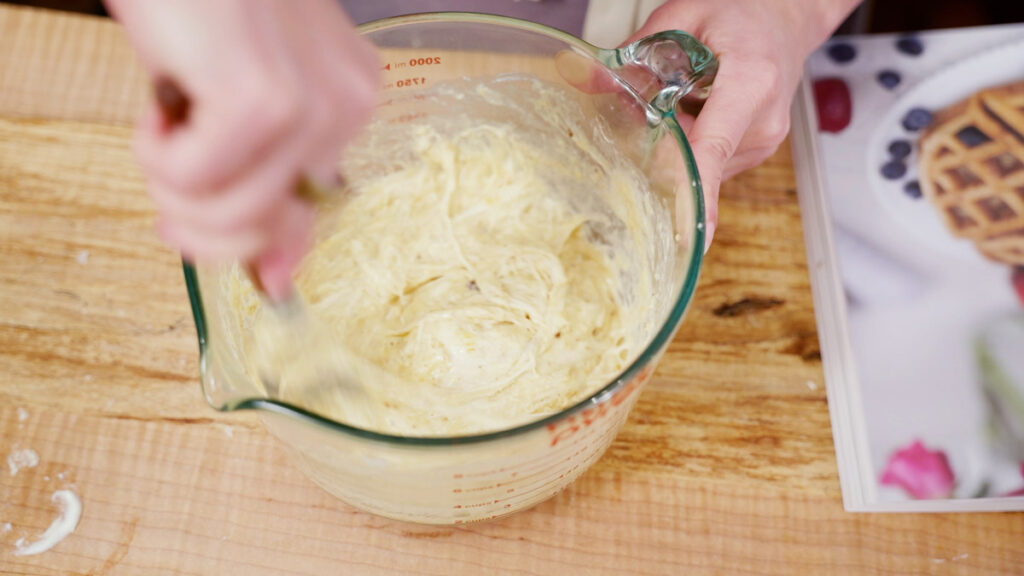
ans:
(276, 88)
(761, 46)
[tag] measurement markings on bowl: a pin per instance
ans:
(410, 82)
(405, 65)
(539, 484)
(415, 61)
(531, 484)
(567, 428)
(521, 474)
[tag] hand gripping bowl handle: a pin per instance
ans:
(682, 66)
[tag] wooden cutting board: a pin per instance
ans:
(726, 466)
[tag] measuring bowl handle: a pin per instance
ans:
(683, 65)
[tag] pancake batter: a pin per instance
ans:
(498, 265)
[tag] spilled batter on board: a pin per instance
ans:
(69, 512)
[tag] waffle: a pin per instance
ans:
(972, 170)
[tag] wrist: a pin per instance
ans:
(818, 19)
(834, 12)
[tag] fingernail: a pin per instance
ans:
(274, 276)
(276, 286)
(573, 67)
(709, 235)
(325, 178)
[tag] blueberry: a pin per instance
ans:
(910, 45)
(917, 119)
(841, 52)
(894, 169)
(889, 78)
(899, 149)
(912, 189)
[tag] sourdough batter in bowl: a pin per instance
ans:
(499, 263)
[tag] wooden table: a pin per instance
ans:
(726, 465)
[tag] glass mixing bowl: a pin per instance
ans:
(637, 92)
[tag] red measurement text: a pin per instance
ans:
(410, 82)
(428, 61)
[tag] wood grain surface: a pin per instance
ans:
(726, 466)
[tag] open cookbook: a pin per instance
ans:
(909, 152)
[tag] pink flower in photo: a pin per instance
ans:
(924, 474)
(1019, 491)
(1017, 280)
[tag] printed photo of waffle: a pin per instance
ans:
(972, 170)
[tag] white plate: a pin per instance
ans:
(991, 68)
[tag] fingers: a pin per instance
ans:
(204, 244)
(585, 74)
(257, 217)
(253, 199)
(277, 244)
(747, 159)
(275, 90)
(711, 141)
(709, 185)
(223, 136)
(718, 131)
(255, 196)
(224, 213)
(292, 237)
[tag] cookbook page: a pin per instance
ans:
(921, 144)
